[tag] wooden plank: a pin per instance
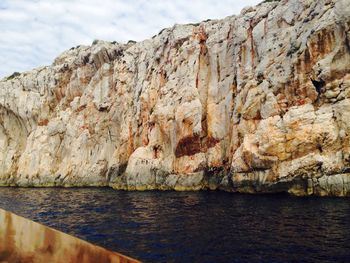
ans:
(22, 240)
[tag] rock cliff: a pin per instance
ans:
(258, 102)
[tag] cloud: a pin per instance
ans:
(34, 32)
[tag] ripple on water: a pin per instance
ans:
(193, 226)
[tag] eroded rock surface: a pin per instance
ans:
(258, 102)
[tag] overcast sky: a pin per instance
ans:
(34, 32)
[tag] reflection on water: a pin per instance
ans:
(193, 226)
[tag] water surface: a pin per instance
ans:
(193, 226)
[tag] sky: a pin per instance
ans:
(35, 32)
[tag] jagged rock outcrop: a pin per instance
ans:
(258, 102)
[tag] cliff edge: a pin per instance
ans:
(258, 102)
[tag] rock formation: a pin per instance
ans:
(258, 102)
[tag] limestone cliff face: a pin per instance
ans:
(258, 102)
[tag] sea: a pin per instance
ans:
(203, 226)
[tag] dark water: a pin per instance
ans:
(193, 226)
